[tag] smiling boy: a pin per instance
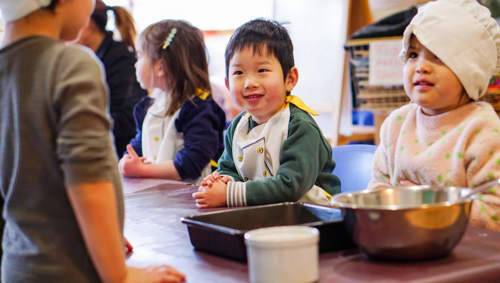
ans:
(274, 150)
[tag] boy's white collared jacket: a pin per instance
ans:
(284, 159)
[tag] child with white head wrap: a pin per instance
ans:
(459, 144)
(464, 36)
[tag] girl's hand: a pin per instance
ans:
(213, 196)
(156, 274)
(131, 164)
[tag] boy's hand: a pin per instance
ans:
(214, 177)
(131, 164)
(210, 179)
(156, 274)
(225, 179)
(213, 196)
(406, 183)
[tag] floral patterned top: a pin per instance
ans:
(460, 147)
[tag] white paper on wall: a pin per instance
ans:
(386, 69)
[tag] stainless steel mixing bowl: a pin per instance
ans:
(406, 223)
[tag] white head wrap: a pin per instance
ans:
(15, 9)
(464, 36)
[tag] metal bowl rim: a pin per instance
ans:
(336, 203)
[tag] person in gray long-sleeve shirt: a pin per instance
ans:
(55, 131)
(63, 203)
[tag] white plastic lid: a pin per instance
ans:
(282, 236)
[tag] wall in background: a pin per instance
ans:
(207, 15)
(317, 27)
(318, 30)
(383, 8)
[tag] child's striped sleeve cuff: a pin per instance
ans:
(236, 194)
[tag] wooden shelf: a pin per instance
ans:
(359, 133)
(365, 41)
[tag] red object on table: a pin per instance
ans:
(128, 248)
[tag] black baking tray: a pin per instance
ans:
(221, 233)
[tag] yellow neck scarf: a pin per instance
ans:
(201, 93)
(295, 100)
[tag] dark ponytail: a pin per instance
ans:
(125, 25)
(123, 20)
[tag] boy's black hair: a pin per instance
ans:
(262, 33)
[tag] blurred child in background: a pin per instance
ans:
(274, 151)
(118, 58)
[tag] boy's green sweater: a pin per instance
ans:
(305, 160)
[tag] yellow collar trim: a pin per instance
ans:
(201, 93)
(295, 100)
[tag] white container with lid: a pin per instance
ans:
(283, 254)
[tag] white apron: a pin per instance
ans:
(160, 139)
(256, 153)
